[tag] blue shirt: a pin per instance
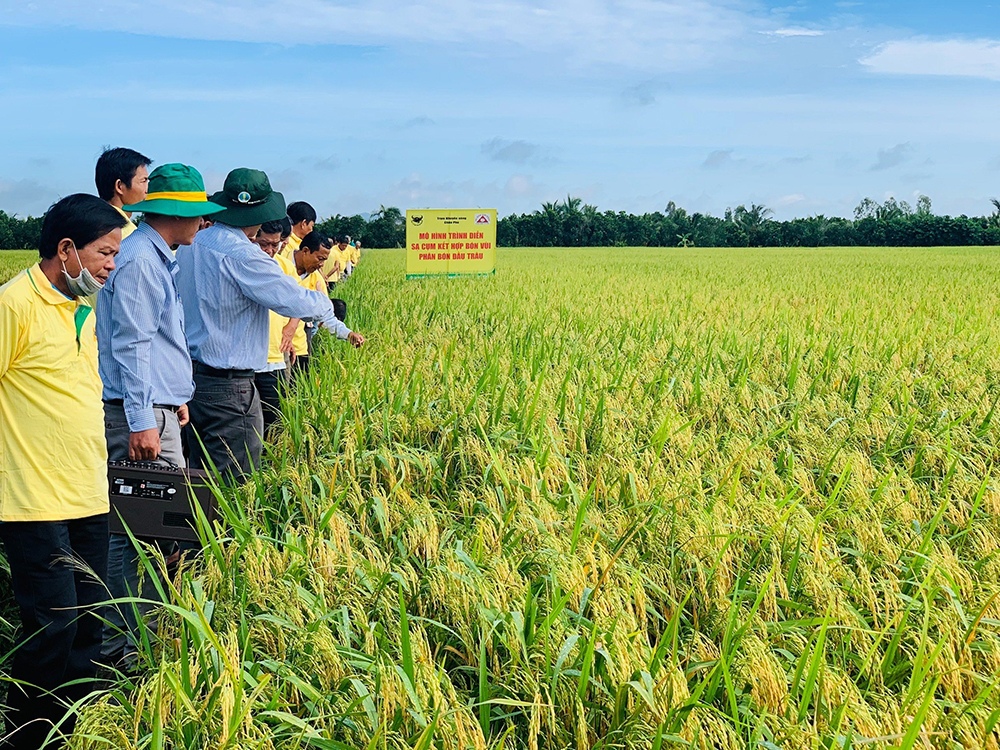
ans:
(143, 354)
(227, 285)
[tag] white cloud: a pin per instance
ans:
(788, 200)
(794, 32)
(635, 34)
(976, 58)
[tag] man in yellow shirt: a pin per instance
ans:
(303, 219)
(271, 379)
(336, 263)
(309, 260)
(122, 176)
(53, 465)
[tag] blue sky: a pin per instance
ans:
(807, 107)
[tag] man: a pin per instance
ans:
(227, 286)
(333, 269)
(271, 379)
(144, 363)
(122, 177)
(309, 259)
(303, 219)
(53, 466)
(345, 247)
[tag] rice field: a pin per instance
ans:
(611, 498)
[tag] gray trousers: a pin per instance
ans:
(226, 419)
(123, 559)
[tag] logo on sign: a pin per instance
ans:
(417, 220)
(482, 218)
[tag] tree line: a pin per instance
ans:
(571, 223)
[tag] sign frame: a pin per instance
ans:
(469, 233)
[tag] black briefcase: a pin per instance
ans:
(156, 502)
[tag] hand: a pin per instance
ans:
(144, 446)
(183, 416)
(355, 339)
(287, 337)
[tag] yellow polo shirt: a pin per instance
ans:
(128, 228)
(355, 254)
(335, 257)
(274, 353)
(313, 282)
(291, 246)
(53, 458)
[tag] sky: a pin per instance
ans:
(807, 107)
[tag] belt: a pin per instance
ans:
(203, 369)
(120, 402)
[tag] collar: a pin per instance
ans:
(40, 283)
(166, 254)
(122, 212)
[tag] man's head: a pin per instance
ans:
(176, 204)
(342, 242)
(249, 201)
(312, 253)
(81, 232)
(122, 176)
(269, 237)
(302, 217)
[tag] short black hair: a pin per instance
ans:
(339, 309)
(271, 227)
(301, 211)
(311, 242)
(117, 164)
(327, 241)
(80, 217)
(286, 228)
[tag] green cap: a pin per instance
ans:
(176, 190)
(248, 199)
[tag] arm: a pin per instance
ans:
(138, 304)
(263, 281)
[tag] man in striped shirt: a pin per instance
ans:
(227, 287)
(144, 360)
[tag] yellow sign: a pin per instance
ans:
(451, 242)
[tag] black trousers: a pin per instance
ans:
(301, 364)
(270, 386)
(226, 416)
(61, 625)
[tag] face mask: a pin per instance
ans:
(83, 285)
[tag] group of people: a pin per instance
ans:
(168, 340)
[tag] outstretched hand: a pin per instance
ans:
(355, 339)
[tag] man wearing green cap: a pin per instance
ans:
(227, 286)
(144, 360)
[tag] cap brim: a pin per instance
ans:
(182, 209)
(248, 216)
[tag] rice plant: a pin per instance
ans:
(625, 498)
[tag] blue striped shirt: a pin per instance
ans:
(227, 285)
(143, 354)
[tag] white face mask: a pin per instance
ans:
(83, 285)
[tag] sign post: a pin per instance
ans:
(451, 242)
